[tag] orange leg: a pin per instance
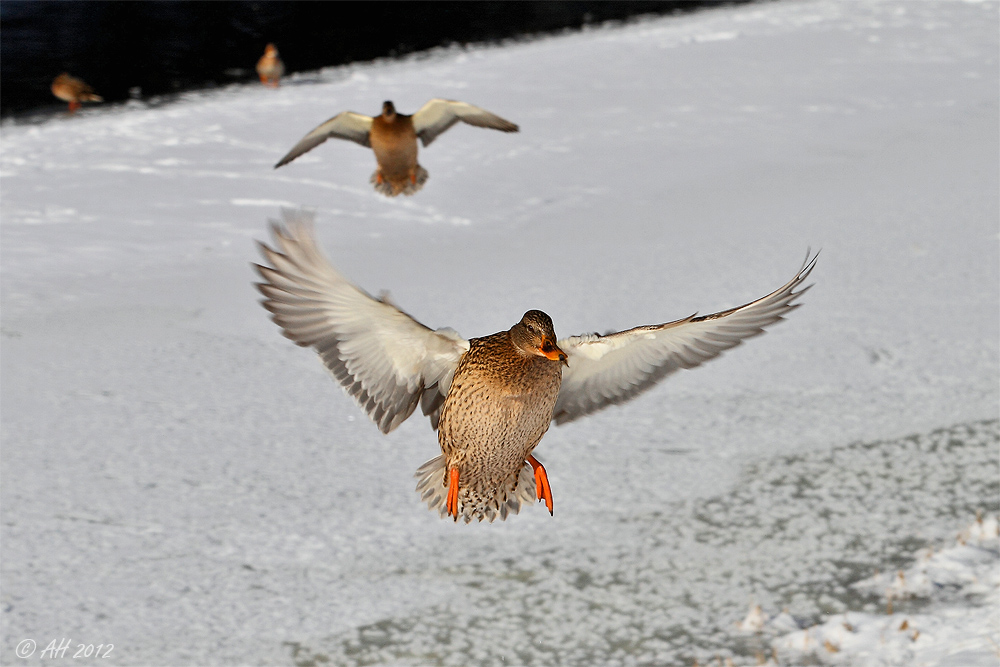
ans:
(74, 105)
(413, 177)
(378, 178)
(541, 482)
(453, 493)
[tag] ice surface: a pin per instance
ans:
(947, 630)
(666, 587)
(181, 481)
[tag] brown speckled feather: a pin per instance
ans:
(499, 407)
(491, 398)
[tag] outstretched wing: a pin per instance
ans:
(611, 369)
(347, 125)
(438, 115)
(383, 357)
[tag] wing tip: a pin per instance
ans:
(808, 264)
(290, 156)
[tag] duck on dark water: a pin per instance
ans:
(73, 90)
(270, 69)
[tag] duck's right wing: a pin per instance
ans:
(381, 356)
(347, 125)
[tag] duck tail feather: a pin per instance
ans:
(432, 485)
(405, 187)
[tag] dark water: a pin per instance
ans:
(156, 48)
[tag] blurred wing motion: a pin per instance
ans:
(347, 125)
(438, 115)
(607, 370)
(383, 358)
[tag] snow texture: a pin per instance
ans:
(955, 633)
(180, 481)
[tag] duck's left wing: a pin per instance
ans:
(611, 369)
(382, 357)
(438, 115)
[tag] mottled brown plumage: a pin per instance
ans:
(499, 407)
(490, 398)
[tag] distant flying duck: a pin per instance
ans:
(270, 69)
(393, 137)
(73, 90)
(491, 399)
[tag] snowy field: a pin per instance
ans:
(180, 481)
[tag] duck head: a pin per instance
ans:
(534, 334)
(388, 110)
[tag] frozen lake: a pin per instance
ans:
(182, 482)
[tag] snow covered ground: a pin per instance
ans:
(957, 634)
(180, 481)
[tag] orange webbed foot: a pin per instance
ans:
(541, 483)
(453, 493)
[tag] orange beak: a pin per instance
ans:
(551, 351)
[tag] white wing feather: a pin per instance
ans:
(346, 125)
(438, 115)
(383, 357)
(611, 369)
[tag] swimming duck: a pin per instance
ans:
(270, 69)
(73, 90)
(491, 399)
(393, 138)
